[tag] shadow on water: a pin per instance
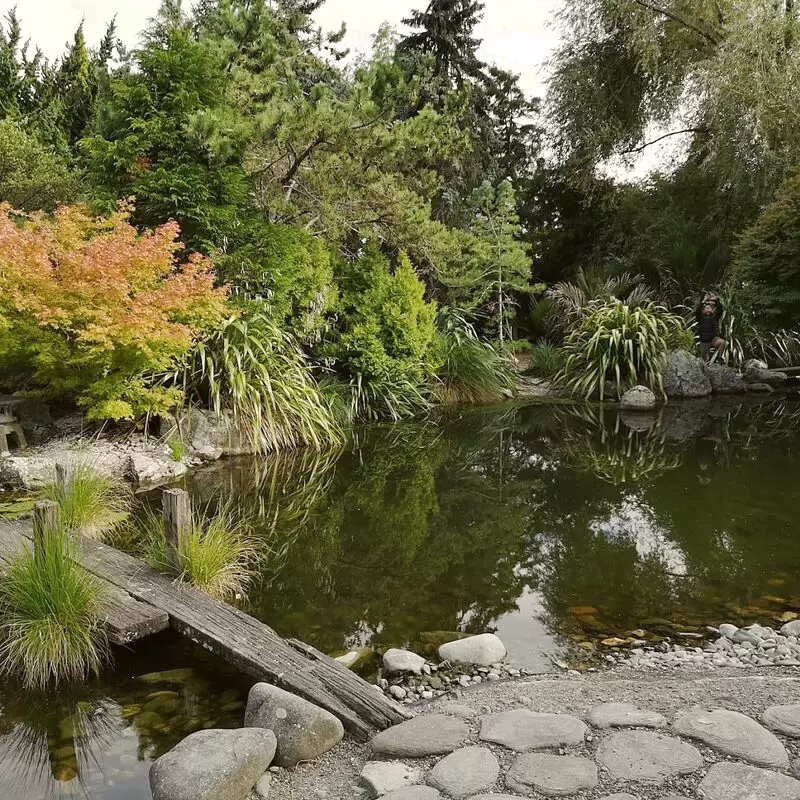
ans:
(558, 526)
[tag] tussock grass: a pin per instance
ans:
(50, 624)
(92, 504)
(218, 555)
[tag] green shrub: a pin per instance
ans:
(621, 344)
(51, 628)
(217, 555)
(259, 373)
(472, 371)
(384, 346)
(290, 271)
(92, 504)
(766, 263)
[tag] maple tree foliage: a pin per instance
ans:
(95, 308)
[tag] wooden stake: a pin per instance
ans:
(65, 475)
(177, 519)
(46, 521)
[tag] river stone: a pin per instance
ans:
(382, 777)
(396, 661)
(791, 628)
(640, 398)
(624, 715)
(728, 781)
(304, 731)
(154, 469)
(621, 796)
(522, 730)
(469, 770)
(554, 776)
(784, 719)
(734, 734)
(483, 650)
(684, 376)
(431, 735)
(497, 797)
(262, 787)
(414, 793)
(724, 379)
(761, 374)
(645, 756)
(213, 765)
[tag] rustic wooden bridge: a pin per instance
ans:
(140, 601)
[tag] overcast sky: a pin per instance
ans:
(516, 33)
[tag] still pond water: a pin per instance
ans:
(555, 526)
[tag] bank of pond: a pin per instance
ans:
(560, 527)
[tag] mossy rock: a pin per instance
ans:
(128, 712)
(181, 676)
(162, 705)
(64, 753)
(232, 708)
(147, 720)
(65, 772)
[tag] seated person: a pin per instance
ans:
(710, 343)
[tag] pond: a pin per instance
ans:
(556, 526)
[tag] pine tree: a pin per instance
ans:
(445, 32)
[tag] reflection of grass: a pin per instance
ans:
(50, 628)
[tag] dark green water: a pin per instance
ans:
(555, 526)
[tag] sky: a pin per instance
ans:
(516, 33)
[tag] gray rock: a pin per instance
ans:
(213, 765)
(414, 793)
(261, 789)
(496, 797)
(465, 772)
(728, 781)
(553, 776)
(684, 376)
(382, 777)
(791, 628)
(431, 735)
(734, 734)
(304, 731)
(784, 719)
(724, 379)
(763, 388)
(638, 420)
(155, 469)
(209, 436)
(753, 364)
(396, 661)
(354, 659)
(621, 796)
(398, 692)
(639, 398)
(645, 756)
(457, 710)
(728, 630)
(522, 730)
(755, 375)
(483, 650)
(624, 715)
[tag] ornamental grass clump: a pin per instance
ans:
(472, 371)
(620, 344)
(217, 555)
(51, 628)
(92, 504)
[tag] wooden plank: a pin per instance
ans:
(126, 619)
(248, 644)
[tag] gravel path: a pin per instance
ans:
(336, 776)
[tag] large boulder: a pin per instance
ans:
(155, 469)
(683, 375)
(483, 650)
(304, 731)
(213, 765)
(209, 436)
(640, 398)
(725, 379)
(757, 372)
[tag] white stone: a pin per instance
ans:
(397, 661)
(791, 628)
(484, 650)
(382, 777)
(624, 715)
(784, 719)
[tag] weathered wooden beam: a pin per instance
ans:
(250, 645)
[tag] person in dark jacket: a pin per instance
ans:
(710, 343)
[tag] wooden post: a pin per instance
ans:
(65, 475)
(46, 521)
(177, 518)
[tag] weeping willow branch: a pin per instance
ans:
(661, 138)
(676, 18)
